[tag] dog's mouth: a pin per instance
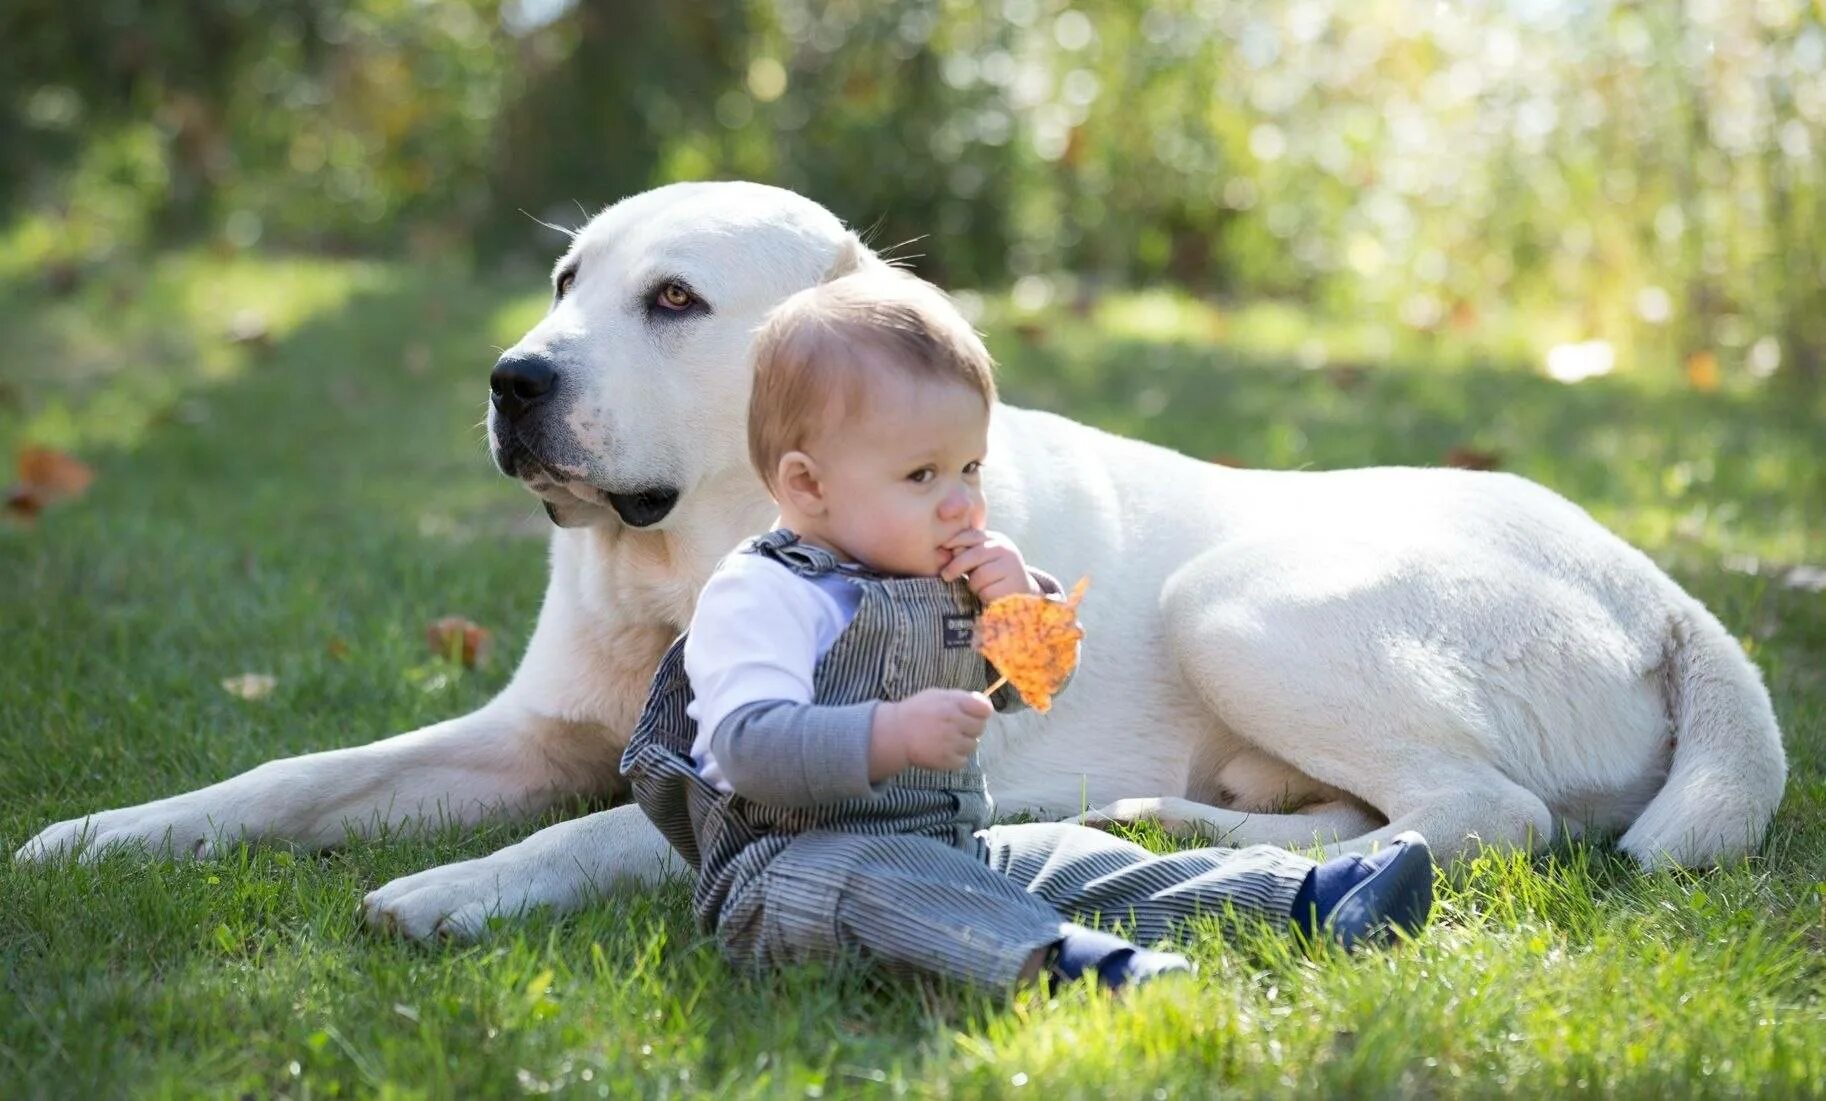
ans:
(645, 507)
(572, 502)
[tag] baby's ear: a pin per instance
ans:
(852, 256)
(798, 483)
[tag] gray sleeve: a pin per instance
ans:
(1006, 699)
(790, 754)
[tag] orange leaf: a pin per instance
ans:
(1033, 642)
(458, 639)
(52, 474)
(45, 477)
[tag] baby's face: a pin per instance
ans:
(901, 475)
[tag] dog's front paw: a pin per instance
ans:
(455, 902)
(153, 829)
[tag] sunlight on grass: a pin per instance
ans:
(124, 352)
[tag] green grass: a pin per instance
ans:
(304, 509)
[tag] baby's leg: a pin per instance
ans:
(1089, 875)
(905, 901)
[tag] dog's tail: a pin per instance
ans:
(1728, 766)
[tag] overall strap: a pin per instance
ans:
(785, 547)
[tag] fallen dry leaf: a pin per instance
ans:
(1472, 458)
(54, 472)
(1032, 642)
(249, 327)
(458, 639)
(45, 477)
(251, 686)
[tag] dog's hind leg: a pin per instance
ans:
(1465, 816)
(1320, 824)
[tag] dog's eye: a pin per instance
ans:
(674, 297)
(565, 279)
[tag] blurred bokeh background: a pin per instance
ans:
(257, 257)
(1536, 173)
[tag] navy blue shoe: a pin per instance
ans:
(1118, 964)
(1362, 900)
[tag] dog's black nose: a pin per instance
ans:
(520, 382)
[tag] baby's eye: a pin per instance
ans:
(974, 466)
(923, 475)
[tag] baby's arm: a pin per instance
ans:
(750, 656)
(794, 754)
(799, 754)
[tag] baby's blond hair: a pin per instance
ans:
(816, 351)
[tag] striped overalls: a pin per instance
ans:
(912, 875)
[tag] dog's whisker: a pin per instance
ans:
(867, 235)
(887, 253)
(569, 233)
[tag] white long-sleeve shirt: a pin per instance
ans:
(757, 635)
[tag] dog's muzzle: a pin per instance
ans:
(520, 384)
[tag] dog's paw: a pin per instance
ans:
(455, 902)
(153, 830)
(1124, 812)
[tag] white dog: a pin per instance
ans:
(1274, 657)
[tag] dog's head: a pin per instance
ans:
(633, 389)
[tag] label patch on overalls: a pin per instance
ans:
(959, 631)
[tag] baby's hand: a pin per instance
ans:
(936, 729)
(991, 563)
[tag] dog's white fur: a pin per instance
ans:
(1269, 657)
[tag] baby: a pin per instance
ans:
(809, 745)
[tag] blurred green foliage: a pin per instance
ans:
(1641, 172)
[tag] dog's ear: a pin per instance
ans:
(852, 256)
